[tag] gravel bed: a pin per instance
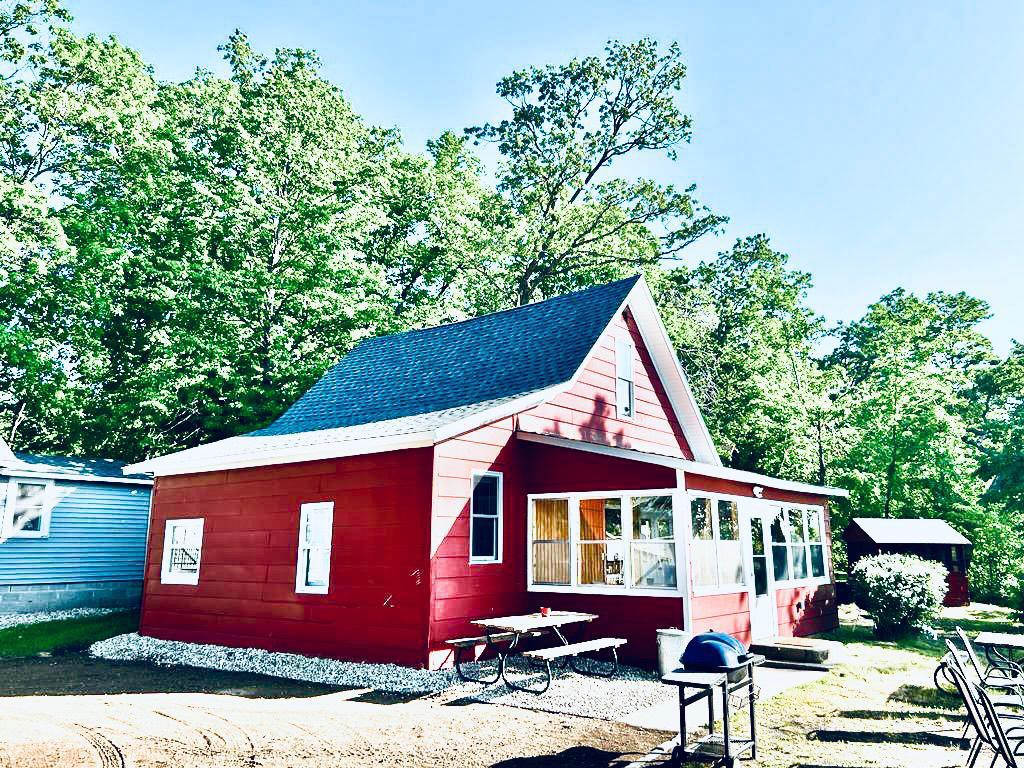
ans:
(17, 619)
(382, 677)
(570, 693)
(574, 694)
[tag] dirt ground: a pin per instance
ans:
(76, 711)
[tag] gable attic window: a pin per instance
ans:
(485, 518)
(27, 509)
(313, 571)
(183, 547)
(625, 395)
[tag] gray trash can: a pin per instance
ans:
(671, 644)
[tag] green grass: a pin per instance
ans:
(878, 707)
(66, 635)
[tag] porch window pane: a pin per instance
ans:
(817, 560)
(551, 541)
(813, 525)
(601, 552)
(728, 521)
(799, 561)
(796, 526)
(700, 514)
(730, 563)
(780, 551)
(652, 517)
(654, 564)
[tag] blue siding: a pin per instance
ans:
(97, 533)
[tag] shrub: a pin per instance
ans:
(902, 593)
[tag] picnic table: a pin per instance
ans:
(503, 635)
(1001, 648)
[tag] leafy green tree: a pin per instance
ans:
(909, 368)
(745, 337)
(577, 224)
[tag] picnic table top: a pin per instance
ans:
(1002, 639)
(532, 621)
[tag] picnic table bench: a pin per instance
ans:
(503, 635)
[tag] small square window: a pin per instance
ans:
(183, 548)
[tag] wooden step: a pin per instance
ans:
(791, 649)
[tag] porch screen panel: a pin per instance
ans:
(551, 541)
(816, 546)
(780, 554)
(797, 534)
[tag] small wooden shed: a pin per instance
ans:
(930, 539)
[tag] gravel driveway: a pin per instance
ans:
(78, 711)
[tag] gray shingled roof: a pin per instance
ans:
(68, 465)
(454, 367)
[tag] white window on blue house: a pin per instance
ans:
(27, 509)
(625, 391)
(313, 572)
(183, 549)
(485, 518)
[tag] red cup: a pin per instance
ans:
(545, 612)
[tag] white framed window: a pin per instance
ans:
(798, 544)
(27, 509)
(316, 527)
(183, 548)
(609, 543)
(625, 391)
(717, 545)
(485, 518)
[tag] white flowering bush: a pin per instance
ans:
(902, 593)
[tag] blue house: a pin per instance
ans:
(72, 533)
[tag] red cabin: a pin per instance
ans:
(928, 538)
(547, 455)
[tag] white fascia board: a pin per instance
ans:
(693, 467)
(18, 472)
(671, 374)
(180, 464)
(498, 412)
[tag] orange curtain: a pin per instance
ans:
(551, 541)
(592, 528)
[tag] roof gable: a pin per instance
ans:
(488, 358)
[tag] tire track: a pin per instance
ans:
(237, 742)
(108, 752)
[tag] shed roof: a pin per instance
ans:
(68, 467)
(909, 531)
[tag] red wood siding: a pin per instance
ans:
(549, 469)
(806, 610)
(722, 613)
(958, 591)
(587, 410)
(461, 591)
(376, 609)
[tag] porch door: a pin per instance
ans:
(762, 583)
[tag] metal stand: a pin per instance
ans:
(719, 749)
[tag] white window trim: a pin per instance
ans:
(500, 517)
(625, 347)
(300, 586)
(627, 527)
(49, 501)
(166, 575)
(826, 549)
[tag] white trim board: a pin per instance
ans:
(27, 473)
(692, 467)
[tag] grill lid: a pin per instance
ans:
(714, 652)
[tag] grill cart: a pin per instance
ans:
(716, 665)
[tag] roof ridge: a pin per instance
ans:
(634, 278)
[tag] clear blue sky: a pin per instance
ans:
(879, 144)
